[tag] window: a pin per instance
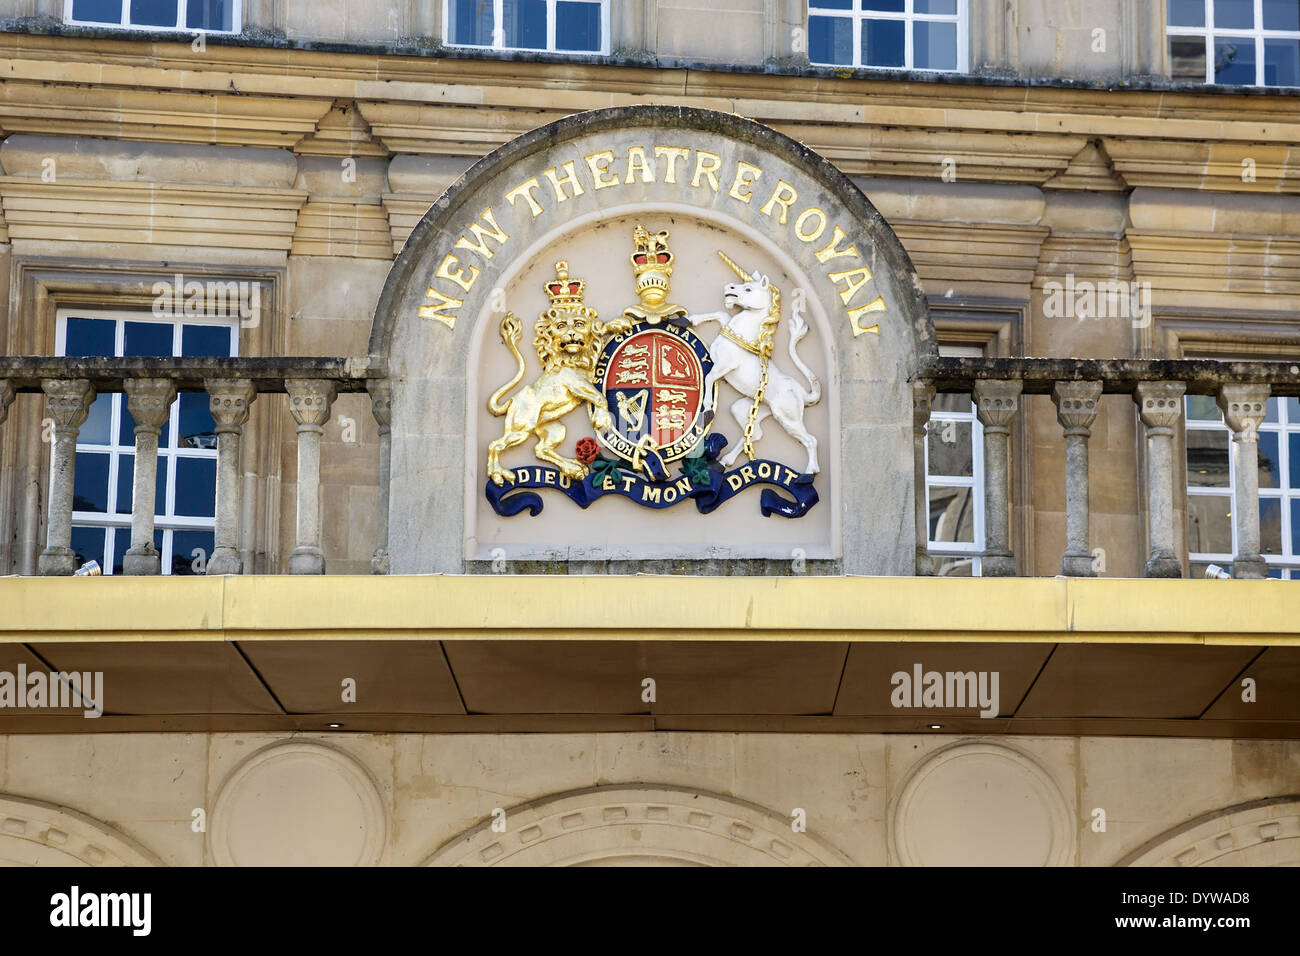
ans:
(553, 26)
(211, 16)
(954, 479)
(1212, 492)
(1238, 42)
(185, 493)
(888, 34)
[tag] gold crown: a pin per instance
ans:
(651, 253)
(565, 293)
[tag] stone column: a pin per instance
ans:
(922, 402)
(996, 404)
(228, 401)
(381, 404)
(68, 402)
(6, 396)
(309, 401)
(1160, 405)
(1076, 409)
(149, 400)
(1243, 409)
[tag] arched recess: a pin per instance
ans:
(545, 197)
(638, 826)
(36, 833)
(1259, 833)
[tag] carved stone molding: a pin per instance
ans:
(1259, 833)
(36, 833)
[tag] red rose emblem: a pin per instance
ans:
(587, 450)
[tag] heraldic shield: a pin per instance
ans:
(648, 382)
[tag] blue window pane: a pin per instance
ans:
(1187, 13)
(948, 7)
(1293, 410)
(197, 429)
(525, 24)
(830, 40)
(1270, 409)
(191, 548)
(90, 485)
(147, 338)
(577, 26)
(122, 543)
(1270, 466)
(196, 487)
(1234, 14)
(1203, 408)
(935, 46)
(126, 486)
(126, 429)
(87, 337)
(830, 4)
(197, 340)
(88, 543)
(1270, 526)
(1281, 15)
(1276, 573)
(1295, 528)
(154, 13)
(97, 11)
(1282, 62)
(884, 42)
(1234, 61)
(99, 423)
(891, 6)
(210, 14)
(1293, 458)
(470, 22)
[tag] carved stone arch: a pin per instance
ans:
(638, 825)
(787, 212)
(37, 833)
(1260, 833)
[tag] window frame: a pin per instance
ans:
(959, 550)
(236, 20)
(110, 519)
(910, 18)
(498, 31)
(1208, 32)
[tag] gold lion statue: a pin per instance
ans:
(568, 341)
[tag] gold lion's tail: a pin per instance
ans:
(510, 332)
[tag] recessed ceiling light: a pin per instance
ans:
(936, 726)
(334, 726)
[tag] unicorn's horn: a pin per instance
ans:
(735, 268)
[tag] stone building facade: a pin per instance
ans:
(1088, 262)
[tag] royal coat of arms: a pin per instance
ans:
(650, 385)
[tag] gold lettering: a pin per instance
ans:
(706, 164)
(607, 484)
(830, 252)
(441, 302)
(875, 305)
(481, 246)
(637, 161)
(742, 169)
(736, 482)
(458, 276)
(747, 472)
(804, 235)
(628, 482)
(672, 155)
(784, 196)
(550, 477)
(764, 470)
(569, 178)
(650, 493)
(789, 475)
(851, 287)
(525, 189)
(601, 175)
(684, 486)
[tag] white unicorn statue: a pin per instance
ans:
(742, 358)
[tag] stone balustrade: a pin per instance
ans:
(150, 385)
(1158, 387)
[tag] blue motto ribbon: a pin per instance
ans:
(709, 487)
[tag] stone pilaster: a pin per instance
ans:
(309, 402)
(1243, 409)
(6, 396)
(996, 404)
(149, 400)
(922, 404)
(381, 405)
(1160, 406)
(228, 401)
(68, 402)
(1076, 409)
